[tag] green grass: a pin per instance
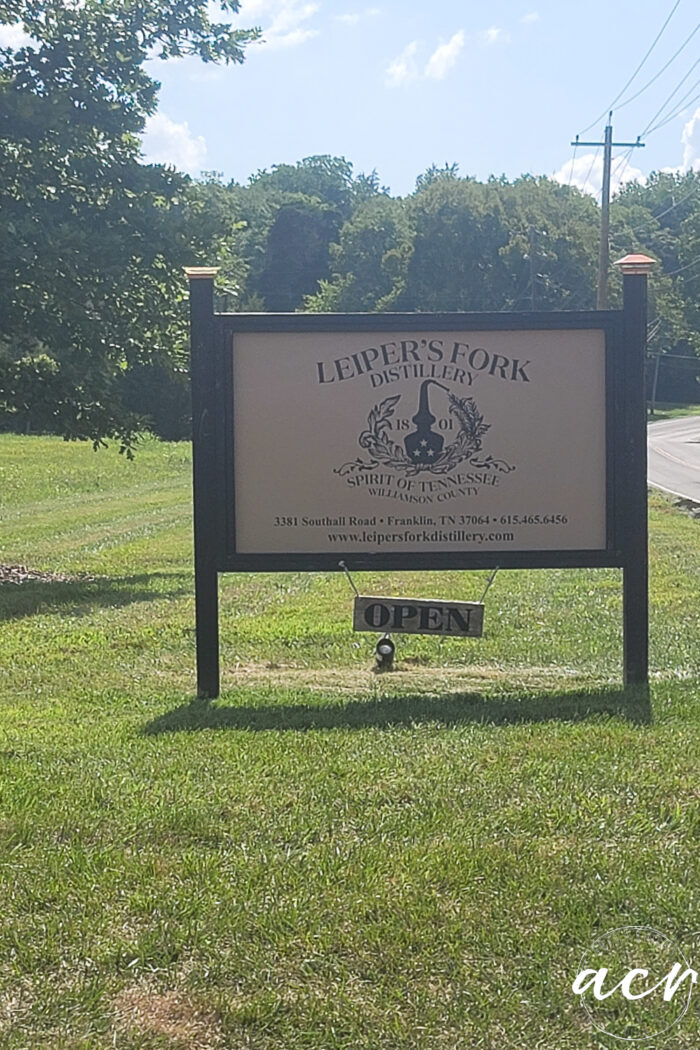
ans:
(323, 858)
(667, 410)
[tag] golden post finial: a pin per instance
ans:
(198, 273)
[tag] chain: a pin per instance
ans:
(345, 569)
(492, 577)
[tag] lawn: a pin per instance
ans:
(324, 858)
(666, 410)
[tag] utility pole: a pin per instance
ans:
(655, 383)
(533, 268)
(604, 258)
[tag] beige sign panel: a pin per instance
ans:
(410, 441)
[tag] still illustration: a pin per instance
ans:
(423, 448)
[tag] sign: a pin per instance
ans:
(418, 616)
(419, 441)
(433, 441)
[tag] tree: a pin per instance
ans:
(459, 230)
(92, 240)
(662, 218)
(435, 174)
(323, 178)
(296, 254)
(369, 261)
(552, 250)
(457, 244)
(291, 216)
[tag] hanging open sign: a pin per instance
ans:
(418, 616)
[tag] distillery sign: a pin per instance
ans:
(389, 442)
(433, 441)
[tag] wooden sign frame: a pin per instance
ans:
(213, 337)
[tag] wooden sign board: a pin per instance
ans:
(418, 616)
(419, 441)
(439, 441)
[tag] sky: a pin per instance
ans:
(396, 85)
(499, 87)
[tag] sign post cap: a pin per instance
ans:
(198, 273)
(634, 264)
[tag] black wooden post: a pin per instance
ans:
(634, 485)
(204, 480)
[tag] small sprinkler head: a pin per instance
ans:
(384, 654)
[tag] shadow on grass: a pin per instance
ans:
(79, 597)
(631, 704)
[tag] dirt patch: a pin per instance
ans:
(405, 677)
(21, 574)
(169, 1014)
(688, 506)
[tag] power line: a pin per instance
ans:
(621, 93)
(681, 82)
(679, 357)
(662, 70)
(654, 329)
(573, 160)
(595, 158)
(620, 170)
(671, 273)
(663, 106)
(659, 215)
(677, 113)
(682, 104)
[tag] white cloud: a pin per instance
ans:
(357, 16)
(14, 37)
(587, 173)
(291, 39)
(403, 69)
(531, 16)
(166, 142)
(494, 35)
(255, 9)
(690, 140)
(444, 57)
(691, 143)
(281, 21)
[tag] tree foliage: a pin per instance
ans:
(369, 260)
(289, 218)
(662, 218)
(92, 240)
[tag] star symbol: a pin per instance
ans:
(431, 452)
(423, 443)
(416, 452)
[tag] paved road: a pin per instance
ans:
(674, 456)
